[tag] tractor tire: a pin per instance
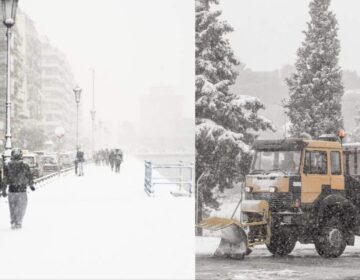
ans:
(282, 242)
(331, 240)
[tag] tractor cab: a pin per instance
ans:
(292, 173)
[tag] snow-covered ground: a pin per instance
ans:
(100, 226)
(302, 263)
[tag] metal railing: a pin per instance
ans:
(184, 178)
(44, 180)
(41, 181)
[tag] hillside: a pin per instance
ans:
(271, 89)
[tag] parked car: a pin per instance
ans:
(40, 153)
(50, 163)
(67, 159)
(35, 164)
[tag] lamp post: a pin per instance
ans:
(93, 112)
(9, 15)
(77, 92)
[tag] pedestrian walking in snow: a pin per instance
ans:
(17, 177)
(76, 165)
(97, 158)
(80, 158)
(118, 160)
(102, 157)
(112, 159)
(107, 154)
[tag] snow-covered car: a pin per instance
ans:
(67, 159)
(35, 164)
(50, 163)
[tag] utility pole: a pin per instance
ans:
(93, 112)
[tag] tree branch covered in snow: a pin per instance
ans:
(225, 122)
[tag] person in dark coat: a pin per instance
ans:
(112, 159)
(107, 154)
(17, 177)
(80, 158)
(76, 165)
(118, 158)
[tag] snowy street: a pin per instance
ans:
(100, 226)
(302, 263)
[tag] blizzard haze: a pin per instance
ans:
(266, 37)
(134, 47)
(268, 33)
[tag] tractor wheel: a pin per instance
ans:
(282, 242)
(331, 242)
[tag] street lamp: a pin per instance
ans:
(77, 92)
(92, 113)
(9, 15)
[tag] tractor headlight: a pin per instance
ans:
(273, 189)
(248, 189)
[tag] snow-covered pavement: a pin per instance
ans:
(100, 226)
(302, 263)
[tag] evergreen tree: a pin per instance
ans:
(316, 87)
(226, 123)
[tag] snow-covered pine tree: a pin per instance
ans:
(226, 123)
(316, 87)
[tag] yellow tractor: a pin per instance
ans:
(297, 190)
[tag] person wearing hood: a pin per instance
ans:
(17, 177)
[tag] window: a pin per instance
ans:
(335, 163)
(351, 159)
(315, 162)
(269, 161)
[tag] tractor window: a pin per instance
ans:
(276, 161)
(335, 163)
(353, 162)
(315, 162)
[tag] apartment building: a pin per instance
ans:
(41, 84)
(58, 103)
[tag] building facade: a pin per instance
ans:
(41, 86)
(58, 105)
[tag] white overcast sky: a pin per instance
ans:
(132, 45)
(268, 32)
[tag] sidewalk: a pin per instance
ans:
(99, 226)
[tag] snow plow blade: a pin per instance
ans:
(234, 241)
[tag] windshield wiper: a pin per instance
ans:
(278, 169)
(257, 171)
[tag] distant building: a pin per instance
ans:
(271, 89)
(350, 107)
(163, 127)
(19, 108)
(33, 70)
(160, 111)
(58, 104)
(41, 83)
